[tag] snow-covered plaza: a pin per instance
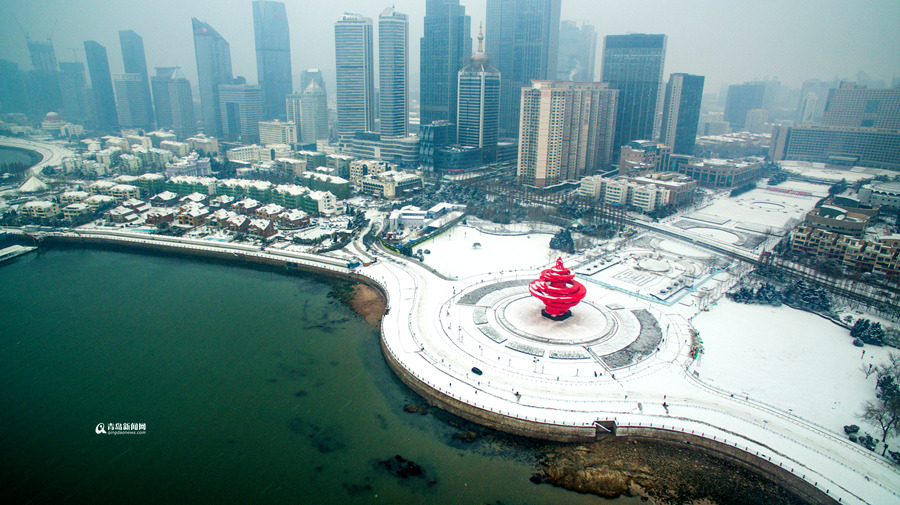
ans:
(774, 382)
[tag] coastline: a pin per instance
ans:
(366, 299)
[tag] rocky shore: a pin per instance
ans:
(664, 472)
(368, 302)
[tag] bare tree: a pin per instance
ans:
(867, 370)
(885, 417)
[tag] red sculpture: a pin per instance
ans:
(557, 289)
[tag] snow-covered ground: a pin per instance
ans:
(457, 252)
(790, 359)
(761, 208)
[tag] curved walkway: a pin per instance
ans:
(52, 154)
(434, 339)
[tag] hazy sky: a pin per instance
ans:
(728, 41)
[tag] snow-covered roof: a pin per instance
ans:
(32, 185)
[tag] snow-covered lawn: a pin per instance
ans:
(787, 358)
(455, 252)
(759, 208)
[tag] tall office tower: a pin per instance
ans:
(131, 101)
(577, 52)
(522, 36)
(42, 83)
(633, 64)
(73, 86)
(213, 68)
(173, 101)
(567, 131)
(443, 51)
(855, 105)
(240, 107)
(293, 108)
(393, 72)
(313, 113)
(136, 63)
(12, 88)
(312, 74)
(821, 89)
(43, 57)
(273, 56)
(808, 108)
(681, 112)
(742, 98)
(101, 83)
(478, 110)
(355, 74)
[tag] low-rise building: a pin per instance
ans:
(247, 206)
(160, 215)
(362, 168)
(179, 149)
(294, 218)
(720, 173)
(95, 202)
(884, 194)
(73, 197)
(41, 209)
(207, 146)
(270, 211)
(75, 210)
(238, 223)
(879, 255)
(262, 228)
(192, 214)
(391, 184)
(123, 192)
(122, 214)
(191, 165)
(164, 199)
(219, 218)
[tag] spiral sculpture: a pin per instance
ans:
(558, 290)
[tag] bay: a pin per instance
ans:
(255, 387)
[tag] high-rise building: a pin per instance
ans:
(633, 64)
(101, 84)
(73, 86)
(273, 56)
(42, 83)
(681, 112)
(131, 101)
(313, 113)
(355, 74)
(393, 73)
(443, 51)
(294, 109)
(213, 69)
(742, 98)
(478, 110)
(522, 37)
(856, 105)
(135, 62)
(12, 88)
(808, 108)
(577, 52)
(567, 131)
(311, 74)
(173, 101)
(240, 107)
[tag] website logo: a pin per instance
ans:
(121, 429)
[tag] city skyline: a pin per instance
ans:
(756, 46)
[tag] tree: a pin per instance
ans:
(881, 415)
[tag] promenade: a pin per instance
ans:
(52, 154)
(432, 336)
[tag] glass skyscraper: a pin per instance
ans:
(273, 56)
(173, 101)
(681, 112)
(213, 68)
(577, 52)
(393, 72)
(101, 84)
(240, 107)
(522, 37)
(633, 64)
(135, 62)
(478, 113)
(444, 50)
(355, 74)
